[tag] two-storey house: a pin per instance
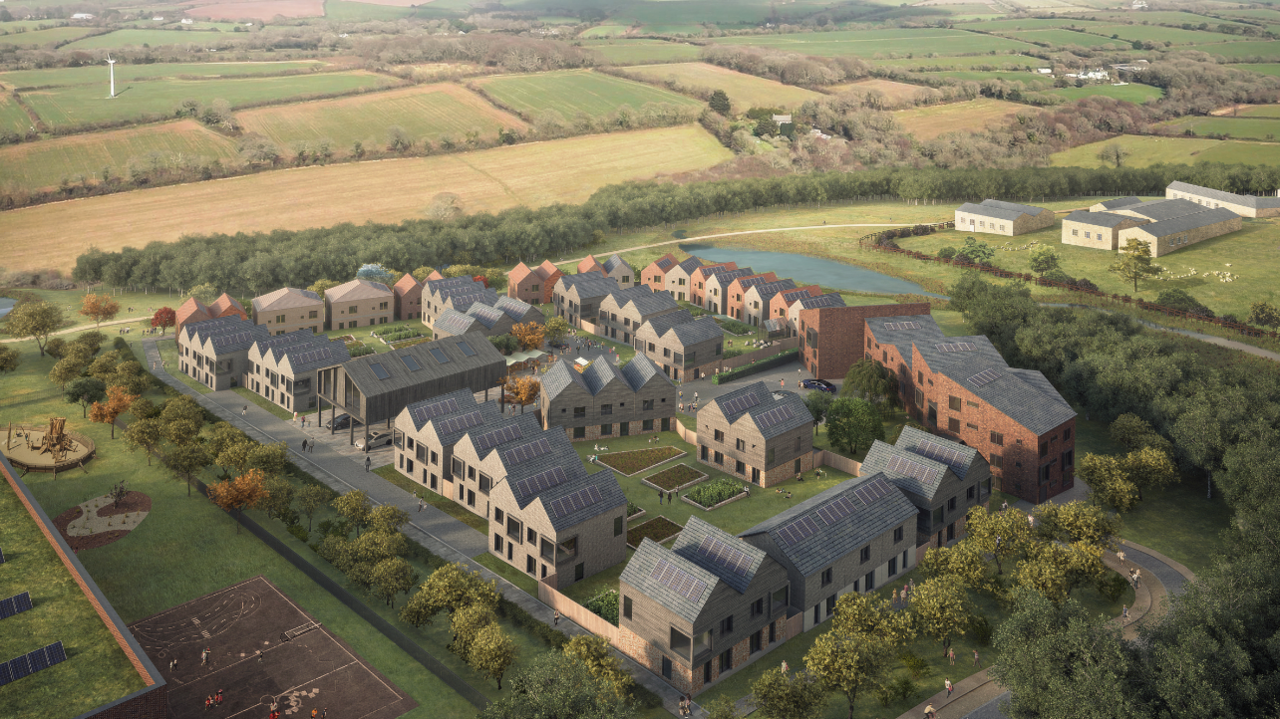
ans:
(683, 347)
(289, 309)
(453, 293)
(757, 299)
(715, 295)
(427, 430)
(408, 293)
(735, 293)
(282, 369)
(603, 401)
(698, 280)
(534, 285)
(358, 303)
(624, 311)
(760, 435)
(489, 320)
(655, 275)
(780, 305)
(215, 352)
(193, 310)
(577, 297)
(679, 279)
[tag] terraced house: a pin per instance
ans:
(624, 311)
(358, 303)
(282, 369)
(534, 285)
(760, 435)
(683, 347)
(780, 306)
(962, 389)
(679, 279)
(853, 537)
(757, 298)
(603, 401)
(488, 320)
(454, 293)
(215, 352)
(997, 217)
(471, 484)
(942, 478)
(735, 293)
(577, 297)
(408, 293)
(694, 613)
(427, 430)
(718, 286)
(655, 275)
(289, 309)
(698, 280)
(614, 267)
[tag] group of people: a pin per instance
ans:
(900, 600)
(785, 495)
(213, 700)
(686, 706)
(660, 493)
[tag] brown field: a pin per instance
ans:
(256, 9)
(533, 174)
(927, 123)
(895, 93)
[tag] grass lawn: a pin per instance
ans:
(870, 43)
(633, 461)
(1133, 92)
(527, 583)
(264, 403)
(1251, 128)
(169, 355)
(444, 504)
(1151, 150)
(626, 52)
(1179, 522)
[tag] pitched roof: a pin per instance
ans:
(1120, 202)
(598, 376)
(773, 413)
(285, 298)
(547, 269)
(644, 299)
(318, 352)
(766, 290)
(518, 273)
(591, 284)
(192, 310)
(691, 264)
(730, 559)
(669, 579)
(453, 322)
(1246, 200)
(516, 309)
(486, 314)
(958, 457)
(1164, 209)
(908, 471)
(462, 301)
(661, 323)
(560, 377)
(614, 262)
(451, 404)
(225, 302)
(830, 299)
(1097, 219)
(726, 277)
(428, 358)
(700, 330)
(357, 290)
(790, 296)
(905, 330)
(406, 283)
(639, 370)
(589, 264)
(269, 345)
(554, 476)
(453, 420)
(1000, 209)
(227, 334)
(836, 522)
(664, 263)
(433, 287)
(706, 271)
(435, 275)
(1189, 222)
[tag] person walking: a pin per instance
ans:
(668, 498)
(217, 698)
(304, 445)
(208, 702)
(895, 598)
(420, 504)
(173, 664)
(1137, 577)
(315, 713)
(367, 463)
(976, 661)
(1124, 612)
(947, 684)
(951, 655)
(243, 410)
(1120, 556)
(555, 618)
(660, 495)
(204, 656)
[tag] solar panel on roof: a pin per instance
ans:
(38, 659)
(466, 349)
(902, 325)
(57, 654)
(941, 453)
(439, 354)
(488, 440)
(985, 377)
(723, 555)
(678, 580)
(526, 452)
(774, 416)
(798, 531)
(410, 362)
(20, 667)
(956, 347)
(873, 490)
(833, 512)
(741, 403)
(579, 500)
(379, 371)
(454, 425)
(541, 481)
(908, 468)
(435, 409)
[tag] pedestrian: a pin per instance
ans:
(311, 447)
(555, 618)
(895, 597)
(912, 584)
(1124, 612)
(951, 655)
(785, 668)
(217, 698)
(173, 664)
(315, 713)
(367, 463)
(208, 703)
(1120, 556)
(929, 712)
(1005, 505)
(304, 445)
(659, 497)
(947, 683)
(976, 661)
(1137, 577)
(324, 714)
(204, 656)
(668, 498)
(420, 504)
(243, 410)
(259, 656)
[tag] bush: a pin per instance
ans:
(605, 604)
(632, 508)
(299, 531)
(1084, 284)
(709, 494)
(361, 351)
(1180, 300)
(758, 366)
(553, 638)
(947, 253)
(1056, 275)
(982, 628)
(916, 666)
(120, 343)
(1112, 586)
(896, 690)
(732, 352)
(737, 328)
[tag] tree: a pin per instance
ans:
(392, 576)
(722, 707)
(99, 308)
(444, 206)
(1043, 259)
(129, 374)
(961, 561)
(56, 348)
(310, 499)
(246, 490)
(1000, 534)
(1114, 153)
(104, 366)
(9, 358)
(525, 390)
(143, 434)
(530, 334)
(1055, 569)
(719, 102)
(182, 418)
(1135, 262)
(853, 423)
(594, 652)
(555, 686)
(422, 273)
(66, 370)
(1149, 468)
(143, 408)
(848, 663)
(185, 460)
(36, 320)
(1134, 433)
(977, 251)
(555, 329)
(354, 507)
(205, 293)
(492, 653)
(387, 518)
(321, 286)
(118, 493)
(448, 589)
(465, 624)
(375, 272)
(870, 380)
(506, 344)
(1179, 300)
(1264, 314)
(818, 403)
(765, 126)
(164, 318)
(118, 401)
(279, 500)
(785, 695)
(1108, 481)
(941, 608)
(1076, 522)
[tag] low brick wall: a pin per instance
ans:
(580, 615)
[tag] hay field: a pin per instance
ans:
(12, 116)
(258, 9)
(428, 111)
(98, 75)
(744, 91)
(37, 38)
(927, 123)
(44, 163)
(570, 92)
(896, 94)
(533, 174)
(628, 52)
(81, 104)
(1150, 150)
(869, 43)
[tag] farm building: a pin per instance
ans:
(780, 306)
(456, 293)
(426, 431)
(685, 348)
(282, 369)
(408, 293)
(578, 297)
(289, 309)
(735, 292)
(215, 352)
(374, 388)
(1097, 230)
(358, 303)
(1109, 205)
(757, 298)
(624, 311)
(763, 437)
(489, 320)
(713, 297)
(1175, 233)
(534, 285)
(962, 389)
(193, 310)
(603, 401)
(831, 336)
(1243, 205)
(693, 613)
(998, 217)
(698, 280)
(853, 537)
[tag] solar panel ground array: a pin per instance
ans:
(32, 662)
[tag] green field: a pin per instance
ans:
(1253, 128)
(607, 30)
(342, 10)
(1155, 33)
(1166, 17)
(628, 52)
(1149, 150)
(1260, 111)
(1032, 81)
(1246, 49)
(1133, 92)
(869, 43)
(98, 75)
(573, 91)
(1062, 38)
(1017, 62)
(745, 91)
(45, 163)
(141, 38)
(431, 112)
(1031, 24)
(1271, 68)
(143, 100)
(12, 116)
(36, 38)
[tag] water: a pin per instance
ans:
(6, 306)
(809, 270)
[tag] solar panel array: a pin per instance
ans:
(489, 440)
(833, 512)
(526, 452)
(32, 662)
(985, 377)
(798, 531)
(454, 425)
(739, 404)
(940, 453)
(312, 356)
(723, 555)
(579, 500)
(426, 412)
(774, 416)
(908, 468)
(236, 338)
(665, 262)
(541, 481)
(956, 347)
(678, 580)
(895, 326)
(487, 315)
(873, 490)
(822, 301)
(379, 371)
(16, 604)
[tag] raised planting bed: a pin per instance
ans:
(659, 529)
(634, 511)
(346, 339)
(734, 327)
(638, 460)
(359, 350)
(409, 342)
(716, 493)
(675, 478)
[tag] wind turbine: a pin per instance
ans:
(112, 64)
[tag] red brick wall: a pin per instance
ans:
(778, 305)
(842, 335)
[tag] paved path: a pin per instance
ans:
(83, 328)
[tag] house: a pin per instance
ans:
(756, 300)
(1043, 71)
(1174, 223)
(678, 279)
(215, 352)
(289, 309)
(426, 431)
(469, 485)
(698, 280)
(1109, 205)
(811, 302)
(618, 269)
(551, 518)
(82, 16)
(780, 305)
(589, 264)
(713, 300)
(998, 217)
(374, 388)
(1098, 230)
(408, 293)
(193, 310)
(533, 285)
(762, 436)
(831, 338)
(853, 537)
(693, 613)
(282, 369)
(577, 298)
(623, 312)
(655, 275)
(1243, 205)
(187, 21)
(943, 479)
(358, 303)
(737, 289)
(490, 320)
(962, 389)
(457, 293)
(603, 401)
(1096, 75)
(683, 347)
(782, 119)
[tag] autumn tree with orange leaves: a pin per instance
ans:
(164, 318)
(245, 491)
(118, 401)
(530, 335)
(525, 390)
(99, 308)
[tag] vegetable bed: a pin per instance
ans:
(659, 529)
(709, 494)
(638, 460)
(677, 477)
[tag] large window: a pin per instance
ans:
(680, 643)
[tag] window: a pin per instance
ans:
(739, 467)
(530, 565)
(513, 529)
(971, 403)
(313, 314)
(997, 438)
(893, 566)
(619, 524)
(757, 607)
(497, 542)
(606, 409)
(606, 430)
(1086, 234)
(897, 535)
(768, 456)
(666, 666)
(740, 444)
(1075, 233)
(726, 661)
(646, 425)
(533, 536)
(970, 425)
(719, 458)
(353, 309)
(279, 319)
(1069, 458)
(828, 576)
(497, 515)
(951, 504)
(579, 571)
(646, 405)
(779, 603)
(579, 412)
(457, 468)
(954, 403)
(864, 556)
(1066, 434)
(869, 581)
(719, 436)
(626, 607)
(579, 432)
(953, 424)
(1044, 449)
(951, 531)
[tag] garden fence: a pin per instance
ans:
(579, 614)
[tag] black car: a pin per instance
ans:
(819, 384)
(342, 421)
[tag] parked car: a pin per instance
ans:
(819, 384)
(342, 421)
(376, 439)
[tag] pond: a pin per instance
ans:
(809, 270)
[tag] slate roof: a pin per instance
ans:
(1097, 219)
(1013, 206)
(700, 330)
(727, 277)
(227, 334)
(598, 376)
(269, 345)
(434, 286)
(790, 414)
(1121, 202)
(519, 429)
(790, 296)
(999, 209)
(690, 265)
(689, 544)
(516, 309)
(486, 314)
(286, 298)
(1158, 210)
(207, 327)
(903, 338)
(401, 377)
(471, 415)
(707, 271)
(644, 299)
(664, 322)
(559, 474)
(591, 284)
(666, 262)
(922, 477)
(639, 371)
(454, 322)
(614, 262)
(836, 538)
(1221, 196)
(746, 283)
(639, 573)
(357, 290)
(767, 290)
(446, 405)
(314, 354)
(462, 301)
(959, 459)
(1185, 223)
(560, 377)
(830, 299)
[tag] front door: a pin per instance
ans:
(1044, 493)
(666, 424)
(624, 429)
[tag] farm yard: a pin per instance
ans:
(927, 123)
(1150, 150)
(869, 43)
(627, 52)
(98, 75)
(533, 174)
(575, 91)
(430, 112)
(744, 91)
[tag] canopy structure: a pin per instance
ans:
(520, 357)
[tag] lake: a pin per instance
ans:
(809, 270)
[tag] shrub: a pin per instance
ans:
(605, 604)
(299, 531)
(896, 690)
(757, 366)
(916, 665)
(361, 351)
(947, 253)
(982, 628)
(120, 343)
(1059, 276)
(1084, 284)
(553, 638)
(709, 494)
(633, 509)
(737, 328)
(732, 352)
(1112, 586)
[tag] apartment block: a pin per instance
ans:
(288, 310)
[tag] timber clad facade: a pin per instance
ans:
(489, 320)
(623, 312)
(603, 401)
(998, 217)
(831, 338)
(682, 346)
(288, 310)
(215, 352)
(761, 436)
(408, 298)
(454, 293)
(282, 369)
(577, 298)
(358, 303)
(533, 285)
(426, 432)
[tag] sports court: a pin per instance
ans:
(264, 650)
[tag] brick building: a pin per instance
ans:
(757, 299)
(759, 435)
(780, 305)
(358, 303)
(682, 346)
(289, 309)
(1243, 205)
(215, 352)
(624, 311)
(655, 275)
(962, 389)
(604, 401)
(426, 431)
(577, 298)
(1109, 205)
(408, 293)
(717, 286)
(282, 369)
(679, 279)
(736, 291)
(489, 320)
(831, 338)
(533, 284)
(591, 264)
(194, 310)
(997, 217)
(693, 613)
(1096, 230)
(698, 280)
